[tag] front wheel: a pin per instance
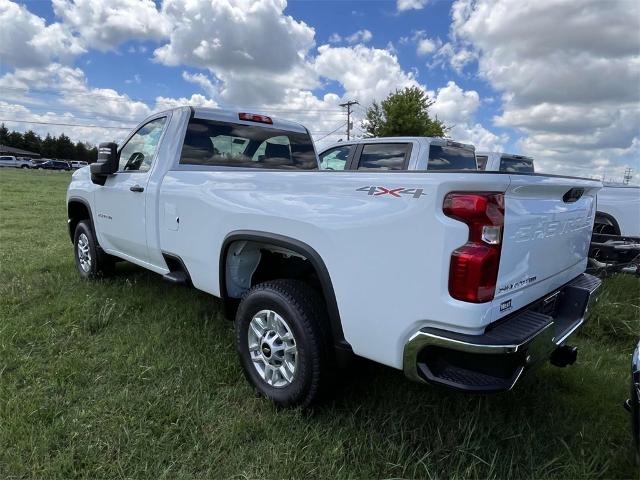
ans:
(282, 341)
(91, 261)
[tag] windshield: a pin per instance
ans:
(516, 165)
(450, 157)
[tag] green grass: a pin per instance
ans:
(131, 377)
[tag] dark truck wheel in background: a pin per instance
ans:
(91, 261)
(282, 341)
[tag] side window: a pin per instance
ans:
(384, 156)
(138, 152)
(482, 161)
(335, 158)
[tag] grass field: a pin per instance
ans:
(132, 377)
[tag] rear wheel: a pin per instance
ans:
(282, 342)
(91, 261)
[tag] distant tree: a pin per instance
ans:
(93, 155)
(66, 148)
(49, 147)
(81, 152)
(32, 141)
(4, 134)
(14, 139)
(403, 113)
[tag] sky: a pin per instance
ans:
(555, 80)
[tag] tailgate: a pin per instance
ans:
(547, 230)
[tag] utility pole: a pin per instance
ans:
(627, 175)
(349, 124)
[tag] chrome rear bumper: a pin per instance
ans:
(495, 360)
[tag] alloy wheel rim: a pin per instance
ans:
(272, 348)
(84, 254)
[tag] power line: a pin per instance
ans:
(61, 124)
(332, 131)
(37, 122)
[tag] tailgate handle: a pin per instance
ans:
(573, 195)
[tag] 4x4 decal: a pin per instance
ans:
(394, 192)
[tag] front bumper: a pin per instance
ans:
(495, 360)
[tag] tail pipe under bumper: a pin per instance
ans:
(495, 360)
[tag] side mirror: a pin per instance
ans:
(107, 163)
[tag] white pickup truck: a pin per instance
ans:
(462, 279)
(17, 162)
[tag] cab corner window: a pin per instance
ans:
(335, 158)
(482, 161)
(384, 156)
(137, 154)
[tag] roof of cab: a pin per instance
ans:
(232, 116)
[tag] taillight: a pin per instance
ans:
(473, 270)
(254, 117)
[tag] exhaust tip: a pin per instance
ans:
(564, 356)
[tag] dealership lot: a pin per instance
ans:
(135, 377)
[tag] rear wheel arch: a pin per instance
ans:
(327, 293)
(606, 223)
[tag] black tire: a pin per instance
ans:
(96, 264)
(304, 313)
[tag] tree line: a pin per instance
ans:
(50, 146)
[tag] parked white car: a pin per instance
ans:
(78, 164)
(461, 279)
(12, 161)
(619, 210)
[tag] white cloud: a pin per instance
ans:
(252, 47)
(425, 46)
(104, 24)
(457, 108)
(568, 73)
(203, 81)
(196, 100)
(242, 35)
(455, 105)
(26, 41)
(23, 119)
(403, 5)
(361, 36)
(365, 73)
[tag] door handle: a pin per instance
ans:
(136, 188)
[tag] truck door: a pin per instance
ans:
(120, 203)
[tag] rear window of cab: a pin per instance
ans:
(215, 143)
